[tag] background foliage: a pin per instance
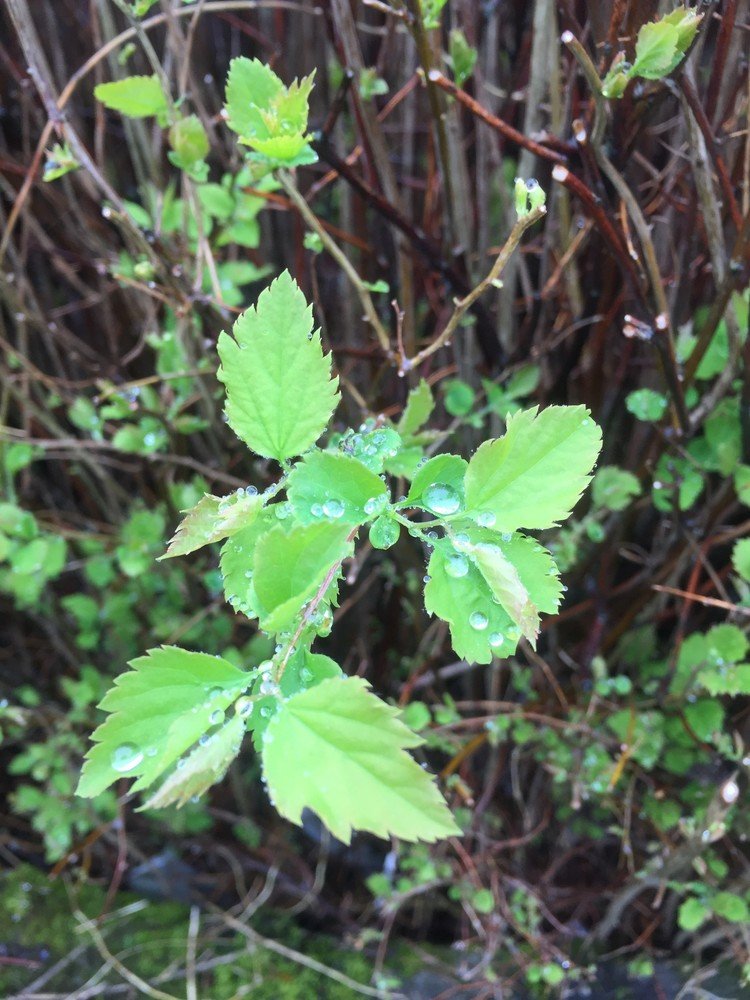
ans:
(599, 778)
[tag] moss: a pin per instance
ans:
(40, 930)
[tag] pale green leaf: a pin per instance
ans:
(533, 476)
(692, 913)
(251, 86)
(134, 97)
(655, 50)
(212, 519)
(280, 394)
(729, 678)
(507, 588)
(206, 764)
(156, 712)
(290, 567)
(349, 766)
(419, 406)
(334, 487)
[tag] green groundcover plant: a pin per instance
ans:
(177, 719)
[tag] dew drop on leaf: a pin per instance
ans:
(216, 717)
(243, 706)
(496, 639)
(441, 499)
(486, 519)
(478, 620)
(333, 508)
(456, 565)
(125, 757)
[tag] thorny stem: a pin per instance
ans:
(493, 276)
(287, 182)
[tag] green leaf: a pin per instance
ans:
(741, 558)
(655, 50)
(458, 593)
(290, 567)
(280, 394)
(731, 907)
(212, 519)
(59, 161)
(686, 20)
(157, 711)
(251, 85)
(463, 56)
(134, 97)
(334, 487)
(730, 679)
(459, 397)
(614, 488)
(692, 913)
(645, 404)
(206, 764)
(238, 560)
(438, 485)
(339, 750)
(269, 117)
(419, 406)
(705, 717)
(533, 476)
(384, 532)
(503, 580)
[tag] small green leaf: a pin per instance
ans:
(157, 711)
(463, 56)
(290, 567)
(60, 161)
(419, 406)
(655, 50)
(534, 475)
(212, 519)
(645, 404)
(134, 97)
(280, 394)
(459, 396)
(334, 487)
(614, 488)
(705, 717)
(349, 766)
(206, 764)
(731, 907)
(692, 913)
(384, 532)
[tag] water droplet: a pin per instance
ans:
(478, 620)
(375, 504)
(305, 675)
(265, 711)
(243, 706)
(507, 535)
(216, 717)
(441, 499)
(282, 511)
(252, 491)
(214, 692)
(461, 541)
(426, 578)
(316, 510)
(456, 565)
(125, 757)
(333, 508)
(496, 639)
(486, 519)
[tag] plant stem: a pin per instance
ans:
(287, 182)
(462, 305)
